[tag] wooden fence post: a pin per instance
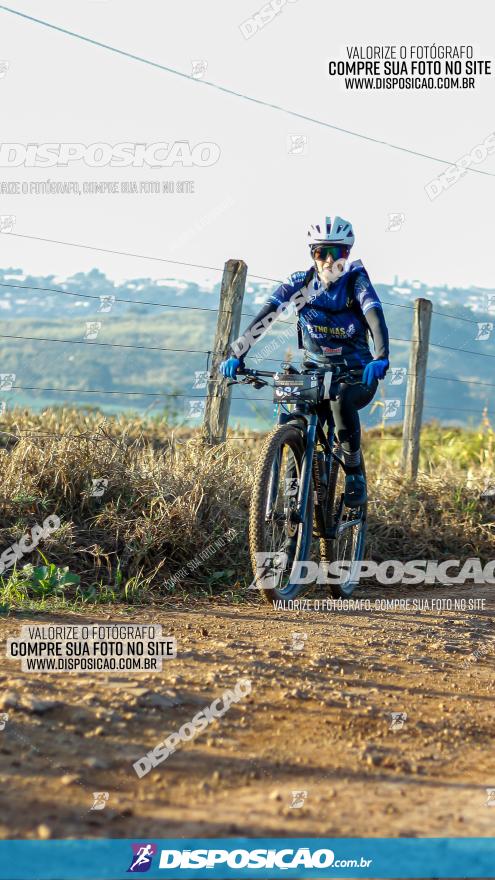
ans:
(416, 386)
(229, 319)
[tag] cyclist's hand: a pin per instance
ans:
(375, 370)
(230, 367)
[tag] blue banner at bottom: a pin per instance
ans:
(241, 857)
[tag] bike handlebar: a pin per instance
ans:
(247, 372)
(346, 371)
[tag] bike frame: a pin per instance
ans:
(310, 422)
(306, 417)
(313, 431)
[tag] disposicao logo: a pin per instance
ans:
(244, 858)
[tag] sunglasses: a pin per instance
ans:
(323, 251)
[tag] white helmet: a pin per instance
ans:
(336, 231)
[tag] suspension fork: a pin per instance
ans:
(330, 441)
(273, 486)
(306, 470)
(332, 530)
(327, 440)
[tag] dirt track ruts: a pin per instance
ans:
(317, 721)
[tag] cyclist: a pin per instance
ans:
(337, 306)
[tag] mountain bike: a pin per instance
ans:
(297, 499)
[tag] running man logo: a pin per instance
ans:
(142, 857)
(106, 302)
(297, 144)
(7, 381)
(398, 719)
(490, 797)
(92, 329)
(98, 487)
(488, 492)
(7, 222)
(199, 68)
(100, 799)
(395, 222)
(196, 408)
(291, 486)
(298, 799)
(201, 378)
(270, 567)
(391, 408)
(397, 375)
(484, 330)
(299, 640)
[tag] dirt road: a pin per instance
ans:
(317, 721)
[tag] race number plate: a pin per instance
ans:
(293, 388)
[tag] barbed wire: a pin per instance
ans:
(455, 379)
(91, 247)
(174, 395)
(104, 344)
(141, 347)
(171, 394)
(279, 281)
(138, 302)
(78, 294)
(196, 351)
(440, 313)
(463, 350)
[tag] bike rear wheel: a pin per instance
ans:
(274, 536)
(351, 524)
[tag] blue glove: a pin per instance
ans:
(230, 367)
(375, 370)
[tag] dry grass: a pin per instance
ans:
(169, 499)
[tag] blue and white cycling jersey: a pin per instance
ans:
(332, 321)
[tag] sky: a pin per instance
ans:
(257, 200)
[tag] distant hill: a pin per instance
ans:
(175, 314)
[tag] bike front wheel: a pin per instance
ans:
(277, 542)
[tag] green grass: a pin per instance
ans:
(168, 502)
